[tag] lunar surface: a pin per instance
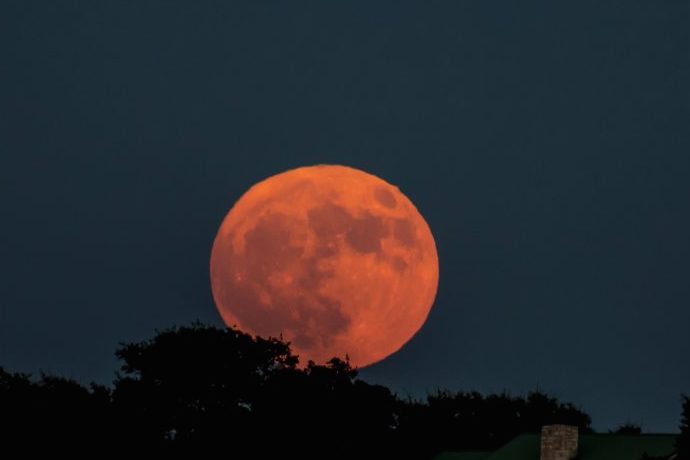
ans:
(337, 261)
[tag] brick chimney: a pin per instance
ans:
(558, 442)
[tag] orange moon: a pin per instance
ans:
(336, 260)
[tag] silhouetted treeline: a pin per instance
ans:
(472, 421)
(200, 389)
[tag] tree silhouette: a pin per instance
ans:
(194, 386)
(628, 429)
(684, 438)
(205, 388)
(341, 416)
(60, 412)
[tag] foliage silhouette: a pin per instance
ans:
(198, 389)
(628, 428)
(470, 421)
(684, 438)
(53, 412)
(194, 385)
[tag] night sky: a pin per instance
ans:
(547, 145)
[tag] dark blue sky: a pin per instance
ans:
(548, 146)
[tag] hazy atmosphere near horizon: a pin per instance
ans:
(546, 145)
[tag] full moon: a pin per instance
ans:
(335, 260)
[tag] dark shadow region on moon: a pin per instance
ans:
(275, 247)
(363, 234)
